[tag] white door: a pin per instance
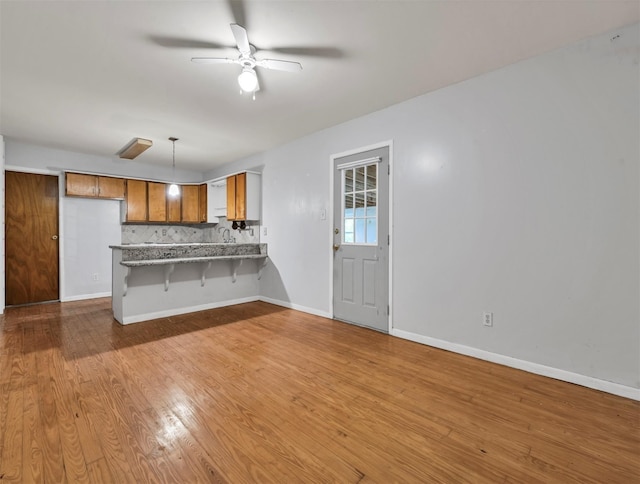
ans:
(361, 239)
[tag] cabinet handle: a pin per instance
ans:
(54, 237)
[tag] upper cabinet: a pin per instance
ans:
(190, 210)
(202, 202)
(136, 201)
(149, 201)
(145, 201)
(216, 200)
(243, 196)
(157, 202)
(94, 186)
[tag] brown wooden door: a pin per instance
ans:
(190, 205)
(31, 238)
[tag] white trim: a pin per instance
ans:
(62, 171)
(383, 144)
(82, 297)
(528, 366)
(184, 310)
(297, 307)
(37, 171)
(224, 178)
(354, 164)
(61, 255)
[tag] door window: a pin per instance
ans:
(359, 205)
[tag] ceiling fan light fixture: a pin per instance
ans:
(248, 80)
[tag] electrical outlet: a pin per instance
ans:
(264, 230)
(164, 231)
(487, 319)
(95, 277)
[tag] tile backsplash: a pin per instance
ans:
(180, 234)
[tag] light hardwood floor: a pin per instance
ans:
(258, 393)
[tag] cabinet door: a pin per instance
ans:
(157, 201)
(109, 187)
(173, 207)
(202, 198)
(190, 204)
(231, 198)
(241, 196)
(136, 201)
(80, 185)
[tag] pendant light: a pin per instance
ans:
(174, 190)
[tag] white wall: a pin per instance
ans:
(88, 228)
(515, 192)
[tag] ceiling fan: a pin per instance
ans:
(248, 80)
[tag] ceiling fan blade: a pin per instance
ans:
(238, 11)
(318, 51)
(184, 43)
(241, 39)
(213, 60)
(280, 65)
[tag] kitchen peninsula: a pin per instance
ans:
(158, 280)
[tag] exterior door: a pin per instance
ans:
(361, 239)
(31, 238)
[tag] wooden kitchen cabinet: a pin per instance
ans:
(157, 202)
(80, 185)
(174, 208)
(243, 196)
(150, 202)
(202, 201)
(110, 187)
(136, 201)
(190, 209)
(94, 186)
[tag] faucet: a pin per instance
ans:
(226, 235)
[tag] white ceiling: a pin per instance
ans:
(89, 76)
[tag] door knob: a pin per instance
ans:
(336, 246)
(54, 237)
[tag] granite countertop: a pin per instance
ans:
(135, 255)
(152, 245)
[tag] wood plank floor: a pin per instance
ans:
(258, 393)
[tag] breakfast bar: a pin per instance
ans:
(160, 280)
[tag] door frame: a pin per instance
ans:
(388, 144)
(59, 174)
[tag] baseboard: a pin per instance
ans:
(297, 307)
(82, 297)
(184, 310)
(538, 369)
